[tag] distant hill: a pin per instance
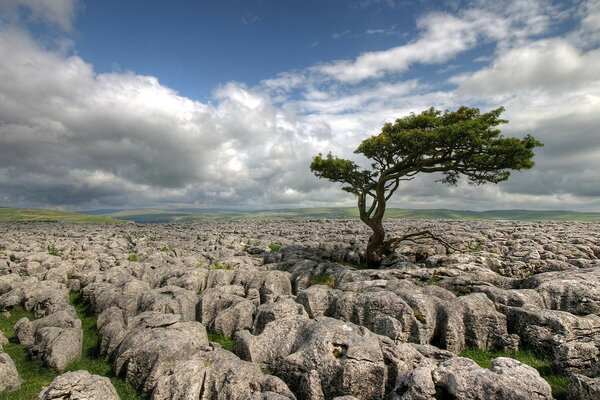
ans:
(168, 216)
(35, 214)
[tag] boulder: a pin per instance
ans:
(152, 343)
(57, 338)
(79, 385)
(9, 377)
(218, 374)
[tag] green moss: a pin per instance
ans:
(133, 257)
(419, 316)
(322, 279)
(274, 247)
(225, 341)
(559, 383)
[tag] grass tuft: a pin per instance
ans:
(322, 279)
(133, 257)
(53, 250)
(225, 341)
(274, 247)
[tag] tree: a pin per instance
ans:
(462, 143)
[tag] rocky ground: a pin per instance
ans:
(307, 322)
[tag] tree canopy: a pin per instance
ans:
(462, 143)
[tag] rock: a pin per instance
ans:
(57, 338)
(225, 310)
(218, 374)
(320, 358)
(283, 308)
(152, 343)
(508, 379)
(584, 388)
(3, 340)
(79, 385)
(171, 299)
(9, 377)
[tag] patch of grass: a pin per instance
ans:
(53, 250)
(225, 341)
(220, 265)
(558, 383)
(322, 279)
(91, 360)
(357, 266)
(434, 280)
(133, 257)
(165, 248)
(475, 247)
(36, 375)
(274, 247)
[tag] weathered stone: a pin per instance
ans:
(218, 374)
(9, 377)
(508, 379)
(79, 385)
(152, 343)
(57, 338)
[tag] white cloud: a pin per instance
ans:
(72, 137)
(443, 36)
(543, 65)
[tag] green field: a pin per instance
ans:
(179, 215)
(34, 214)
(158, 216)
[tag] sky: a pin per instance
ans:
(182, 103)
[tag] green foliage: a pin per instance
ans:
(165, 248)
(133, 257)
(559, 383)
(274, 247)
(322, 279)
(225, 341)
(53, 250)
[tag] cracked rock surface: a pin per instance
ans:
(307, 321)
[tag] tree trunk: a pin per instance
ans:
(376, 246)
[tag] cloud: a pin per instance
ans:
(544, 65)
(443, 36)
(54, 12)
(72, 137)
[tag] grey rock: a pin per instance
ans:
(320, 358)
(57, 338)
(171, 299)
(79, 385)
(152, 342)
(9, 377)
(218, 374)
(507, 380)
(584, 388)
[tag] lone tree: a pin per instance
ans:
(464, 142)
